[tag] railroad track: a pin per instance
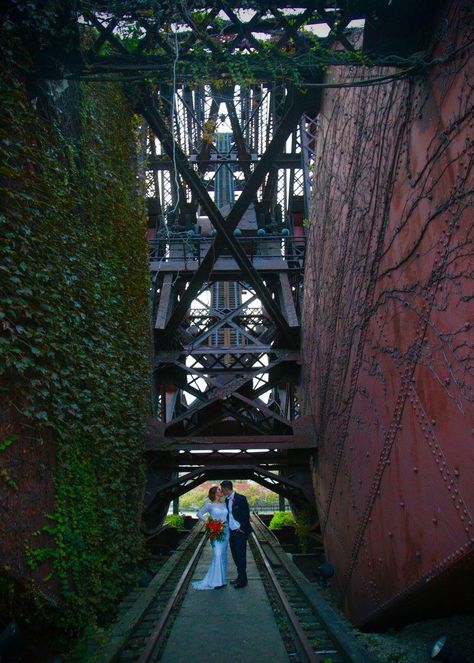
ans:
(146, 615)
(312, 630)
(318, 633)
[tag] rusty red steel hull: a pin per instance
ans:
(388, 336)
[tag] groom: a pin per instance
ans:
(238, 517)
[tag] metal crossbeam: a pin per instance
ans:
(158, 125)
(279, 484)
(226, 380)
(279, 355)
(291, 116)
(216, 442)
(286, 160)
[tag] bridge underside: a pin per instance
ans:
(229, 97)
(227, 277)
(227, 252)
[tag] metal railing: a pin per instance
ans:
(290, 249)
(255, 508)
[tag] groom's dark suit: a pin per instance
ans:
(238, 538)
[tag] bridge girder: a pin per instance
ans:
(210, 389)
(226, 278)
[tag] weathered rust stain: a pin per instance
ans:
(387, 337)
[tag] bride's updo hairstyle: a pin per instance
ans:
(212, 493)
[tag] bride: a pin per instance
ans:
(216, 576)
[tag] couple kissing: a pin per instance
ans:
(232, 510)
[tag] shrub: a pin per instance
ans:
(195, 497)
(281, 518)
(303, 526)
(174, 520)
(255, 494)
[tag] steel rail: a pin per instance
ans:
(303, 639)
(124, 630)
(333, 623)
(148, 642)
(153, 642)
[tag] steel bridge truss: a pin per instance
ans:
(228, 184)
(227, 250)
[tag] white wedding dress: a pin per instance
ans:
(217, 572)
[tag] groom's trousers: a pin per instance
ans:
(238, 548)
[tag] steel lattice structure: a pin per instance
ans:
(230, 98)
(227, 254)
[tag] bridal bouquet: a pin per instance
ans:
(215, 529)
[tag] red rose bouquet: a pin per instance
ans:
(215, 530)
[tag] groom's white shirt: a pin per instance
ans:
(233, 523)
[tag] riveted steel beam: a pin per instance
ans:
(156, 441)
(242, 148)
(286, 160)
(160, 128)
(277, 483)
(294, 108)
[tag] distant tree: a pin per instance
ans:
(256, 494)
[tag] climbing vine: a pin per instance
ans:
(387, 331)
(74, 336)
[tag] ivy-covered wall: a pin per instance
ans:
(74, 346)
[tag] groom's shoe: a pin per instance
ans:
(234, 582)
(240, 584)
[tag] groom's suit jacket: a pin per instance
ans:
(241, 512)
